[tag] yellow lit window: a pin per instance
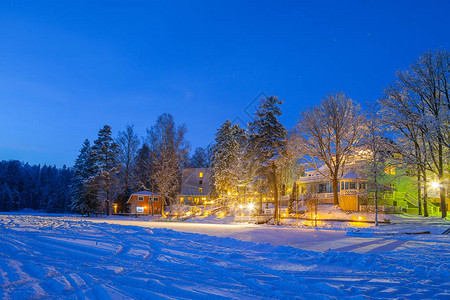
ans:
(200, 190)
(390, 170)
(200, 175)
(181, 200)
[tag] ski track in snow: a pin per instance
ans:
(47, 257)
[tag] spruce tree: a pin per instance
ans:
(83, 191)
(105, 153)
(224, 155)
(267, 142)
(229, 164)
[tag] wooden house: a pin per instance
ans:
(145, 203)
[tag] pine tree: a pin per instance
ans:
(105, 152)
(83, 191)
(224, 156)
(5, 197)
(267, 142)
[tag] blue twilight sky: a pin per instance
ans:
(69, 67)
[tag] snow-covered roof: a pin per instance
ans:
(352, 175)
(145, 193)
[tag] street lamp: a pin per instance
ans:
(250, 208)
(435, 185)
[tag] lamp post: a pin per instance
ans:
(250, 208)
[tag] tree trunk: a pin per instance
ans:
(335, 190)
(107, 202)
(127, 175)
(419, 193)
(441, 183)
(425, 193)
(443, 204)
(275, 193)
(260, 204)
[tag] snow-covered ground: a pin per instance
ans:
(65, 257)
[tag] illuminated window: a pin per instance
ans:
(200, 190)
(389, 170)
(140, 198)
(181, 200)
(200, 175)
(139, 209)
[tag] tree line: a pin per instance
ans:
(411, 120)
(111, 169)
(263, 158)
(34, 187)
(105, 171)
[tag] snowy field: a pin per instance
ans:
(61, 257)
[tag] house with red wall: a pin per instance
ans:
(145, 203)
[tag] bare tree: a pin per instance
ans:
(327, 134)
(128, 143)
(425, 88)
(380, 151)
(199, 159)
(143, 175)
(402, 116)
(169, 150)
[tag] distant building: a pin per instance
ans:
(195, 187)
(146, 203)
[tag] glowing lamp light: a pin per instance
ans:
(241, 206)
(435, 185)
(250, 206)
